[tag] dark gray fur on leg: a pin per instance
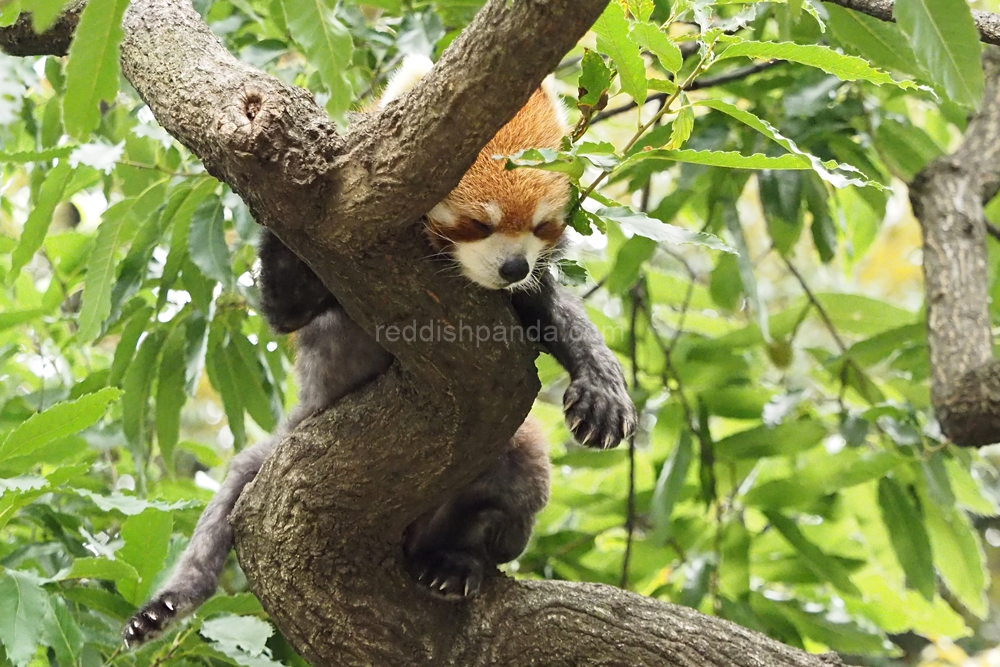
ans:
(450, 549)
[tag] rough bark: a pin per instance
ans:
(318, 533)
(948, 197)
(987, 23)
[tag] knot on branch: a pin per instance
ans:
(969, 413)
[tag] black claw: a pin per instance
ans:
(454, 575)
(149, 622)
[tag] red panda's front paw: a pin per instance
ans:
(453, 575)
(600, 414)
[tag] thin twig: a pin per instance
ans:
(156, 167)
(817, 305)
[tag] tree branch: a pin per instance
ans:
(20, 39)
(319, 533)
(987, 23)
(947, 197)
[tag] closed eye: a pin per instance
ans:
(548, 230)
(482, 228)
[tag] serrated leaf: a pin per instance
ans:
(62, 633)
(641, 9)
(613, 40)
(651, 38)
(127, 342)
(207, 242)
(643, 225)
(24, 606)
(680, 128)
(58, 421)
(130, 505)
(119, 224)
(37, 224)
(99, 568)
(245, 633)
(44, 12)
(179, 235)
(328, 47)
(35, 156)
(909, 539)
(146, 536)
(92, 70)
(945, 41)
(548, 159)
(844, 67)
(730, 159)
(881, 43)
(595, 79)
(838, 175)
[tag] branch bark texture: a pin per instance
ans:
(987, 23)
(948, 197)
(20, 39)
(319, 532)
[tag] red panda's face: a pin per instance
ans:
(499, 249)
(497, 223)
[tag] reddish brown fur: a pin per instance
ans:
(516, 191)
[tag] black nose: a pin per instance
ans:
(514, 269)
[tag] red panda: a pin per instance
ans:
(498, 223)
(501, 226)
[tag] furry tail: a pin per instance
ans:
(196, 575)
(413, 69)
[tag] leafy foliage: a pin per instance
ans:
(747, 259)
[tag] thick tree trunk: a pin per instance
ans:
(319, 531)
(947, 198)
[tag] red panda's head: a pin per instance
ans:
(497, 223)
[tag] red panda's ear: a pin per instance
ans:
(549, 87)
(405, 77)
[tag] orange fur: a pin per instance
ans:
(517, 192)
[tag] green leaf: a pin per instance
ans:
(37, 225)
(24, 606)
(62, 633)
(130, 505)
(669, 485)
(220, 373)
(136, 384)
(838, 175)
(628, 264)
(680, 128)
(781, 197)
(905, 147)
(909, 539)
(118, 226)
(170, 394)
(654, 40)
(127, 342)
(958, 554)
(250, 381)
(36, 156)
(641, 9)
(734, 561)
(328, 47)
(643, 225)
(613, 40)
(881, 43)
(595, 79)
(730, 159)
(92, 70)
(246, 633)
(58, 421)
(846, 68)
(207, 242)
(945, 40)
(15, 318)
(179, 235)
(782, 440)
(744, 265)
(44, 12)
(824, 566)
(99, 568)
(147, 537)
(823, 227)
